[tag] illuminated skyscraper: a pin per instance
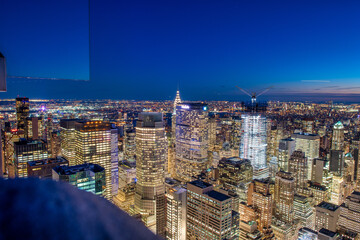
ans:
(253, 143)
(286, 148)
(93, 145)
(283, 223)
(114, 161)
(34, 127)
(235, 174)
(298, 166)
(208, 212)
(177, 100)
(22, 113)
(151, 153)
(26, 151)
(310, 145)
(176, 213)
(129, 143)
(67, 136)
(260, 198)
(338, 137)
(304, 211)
(191, 140)
(89, 177)
(284, 197)
(349, 219)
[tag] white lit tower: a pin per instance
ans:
(253, 136)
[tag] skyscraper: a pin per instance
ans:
(310, 145)
(286, 148)
(93, 145)
(253, 143)
(208, 212)
(235, 174)
(349, 219)
(284, 197)
(191, 140)
(67, 136)
(26, 151)
(338, 137)
(298, 166)
(176, 213)
(260, 198)
(22, 113)
(151, 153)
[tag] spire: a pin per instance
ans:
(177, 100)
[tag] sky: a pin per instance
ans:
(305, 50)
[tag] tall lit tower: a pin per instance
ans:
(298, 166)
(67, 136)
(93, 145)
(284, 197)
(338, 137)
(177, 100)
(253, 142)
(191, 140)
(151, 155)
(254, 135)
(22, 112)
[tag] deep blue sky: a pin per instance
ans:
(144, 49)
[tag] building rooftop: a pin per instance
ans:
(69, 170)
(328, 206)
(47, 161)
(200, 184)
(217, 195)
(327, 232)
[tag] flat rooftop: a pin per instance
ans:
(328, 206)
(70, 170)
(200, 184)
(217, 195)
(48, 161)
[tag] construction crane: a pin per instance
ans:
(253, 95)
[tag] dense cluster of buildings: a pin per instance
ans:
(196, 170)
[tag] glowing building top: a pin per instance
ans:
(177, 100)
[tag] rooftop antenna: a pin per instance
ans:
(253, 96)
